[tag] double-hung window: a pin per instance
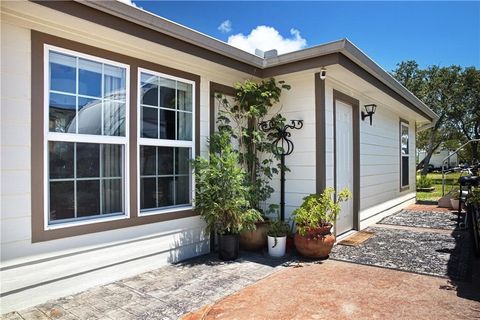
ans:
(166, 142)
(86, 130)
(404, 155)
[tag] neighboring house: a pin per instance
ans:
(104, 104)
(438, 156)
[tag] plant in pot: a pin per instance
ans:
(251, 105)
(455, 200)
(277, 233)
(314, 220)
(221, 197)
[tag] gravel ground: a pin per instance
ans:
(422, 219)
(420, 252)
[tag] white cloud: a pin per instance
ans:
(130, 2)
(225, 26)
(267, 38)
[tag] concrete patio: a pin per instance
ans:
(415, 266)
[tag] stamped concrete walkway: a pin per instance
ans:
(251, 287)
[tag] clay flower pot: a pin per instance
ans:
(256, 239)
(317, 243)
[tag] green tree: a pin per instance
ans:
(438, 88)
(464, 115)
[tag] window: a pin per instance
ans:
(166, 142)
(404, 155)
(86, 138)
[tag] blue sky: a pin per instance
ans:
(442, 33)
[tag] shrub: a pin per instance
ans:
(424, 182)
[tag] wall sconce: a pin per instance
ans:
(370, 111)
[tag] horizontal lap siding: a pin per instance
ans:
(379, 155)
(159, 243)
(298, 103)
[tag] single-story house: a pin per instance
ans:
(102, 106)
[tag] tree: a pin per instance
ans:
(437, 87)
(464, 115)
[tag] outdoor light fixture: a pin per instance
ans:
(323, 73)
(370, 111)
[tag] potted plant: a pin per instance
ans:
(221, 195)
(455, 200)
(277, 237)
(252, 103)
(314, 220)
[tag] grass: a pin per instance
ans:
(451, 183)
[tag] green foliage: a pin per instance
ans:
(240, 119)
(455, 195)
(474, 198)
(453, 94)
(424, 182)
(319, 210)
(221, 197)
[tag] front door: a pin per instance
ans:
(344, 163)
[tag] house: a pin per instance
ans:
(102, 106)
(438, 157)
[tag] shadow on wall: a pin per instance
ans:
(188, 244)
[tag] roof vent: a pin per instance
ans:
(266, 54)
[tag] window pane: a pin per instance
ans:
(184, 94)
(89, 78)
(149, 90)
(184, 126)
(149, 122)
(112, 160)
(182, 191)
(148, 161)
(167, 93)
(165, 161)
(88, 198)
(165, 191)
(167, 124)
(114, 83)
(60, 159)
(63, 75)
(405, 174)
(182, 160)
(89, 116)
(113, 118)
(62, 113)
(404, 140)
(148, 193)
(61, 200)
(88, 160)
(112, 196)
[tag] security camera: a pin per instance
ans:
(323, 73)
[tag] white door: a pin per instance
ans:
(344, 163)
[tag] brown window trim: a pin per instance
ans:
(37, 138)
(403, 188)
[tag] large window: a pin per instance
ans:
(86, 137)
(166, 142)
(404, 155)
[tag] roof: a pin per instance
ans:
(344, 47)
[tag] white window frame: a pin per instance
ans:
(84, 138)
(407, 125)
(157, 142)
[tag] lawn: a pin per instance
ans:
(451, 183)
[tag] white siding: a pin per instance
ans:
(379, 156)
(81, 261)
(298, 103)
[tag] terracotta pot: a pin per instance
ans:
(317, 243)
(256, 239)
